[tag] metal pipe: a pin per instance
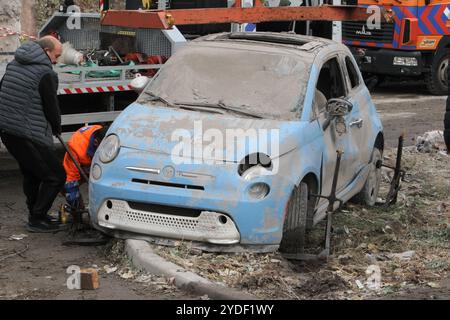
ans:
(82, 172)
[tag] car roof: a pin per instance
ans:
(304, 44)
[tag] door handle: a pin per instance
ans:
(357, 123)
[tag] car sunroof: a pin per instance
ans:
(304, 44)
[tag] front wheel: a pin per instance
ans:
(295, 224)
(369, 193)
(437, 79)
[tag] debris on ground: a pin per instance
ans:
(13, 254)
(89, 279)
(405, 256)
(376, 252)
(126, 274)
(109, 269)
(122, 266)
(17, 237)
(431, 141)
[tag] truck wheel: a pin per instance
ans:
(295, 223)
(372, 81)
(369, 193)
(437, 80)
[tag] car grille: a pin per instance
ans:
(168, 184)
(358, 31)
(169, 210)
(167, 221)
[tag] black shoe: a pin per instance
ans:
(44, 226)
(47, 218)
(52, 220)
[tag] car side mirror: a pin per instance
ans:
(337, 108)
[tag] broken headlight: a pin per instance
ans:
(109, 148)
(255, 165)
(255, 171)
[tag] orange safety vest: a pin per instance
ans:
(79, 146)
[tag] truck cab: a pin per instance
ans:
(415, 44)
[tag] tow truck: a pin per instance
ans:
(415, 45)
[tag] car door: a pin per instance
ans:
(331, 84)
(358, 119)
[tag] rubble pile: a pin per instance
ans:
(431, 141)
(9, 18)
(375, 251)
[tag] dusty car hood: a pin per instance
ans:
(161, 130)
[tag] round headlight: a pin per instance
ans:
(109, 148)
(259, 190)
(255, 171)
(96, 172)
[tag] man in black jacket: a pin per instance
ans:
(29, 117)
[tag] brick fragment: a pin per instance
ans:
(89, 279)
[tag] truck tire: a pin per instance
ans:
(437, 79)
(372, 81)
(295, 223)
(369, 193)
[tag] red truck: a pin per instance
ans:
(415, 44)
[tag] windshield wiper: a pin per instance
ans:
(197, 108)
(219, 105)
(203, 105)
(154, 97)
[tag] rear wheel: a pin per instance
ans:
(369, 193)
(437, 79)
(298, 220)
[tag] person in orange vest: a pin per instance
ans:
(83, 145)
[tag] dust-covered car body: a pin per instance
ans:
(160, 174)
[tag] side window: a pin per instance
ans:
(352, 73)
(329, 85)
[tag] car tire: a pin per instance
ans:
(369, 193)
(295, 224)
(436, 80)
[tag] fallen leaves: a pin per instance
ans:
(405, 256)
(126, 274)
(109, 269)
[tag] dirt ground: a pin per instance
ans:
(405, 107)
(409, 243)
(35, 267)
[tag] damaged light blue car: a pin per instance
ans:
(228, 143)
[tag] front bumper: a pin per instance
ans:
(210, 227)
(219, 210)
(381, 61)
